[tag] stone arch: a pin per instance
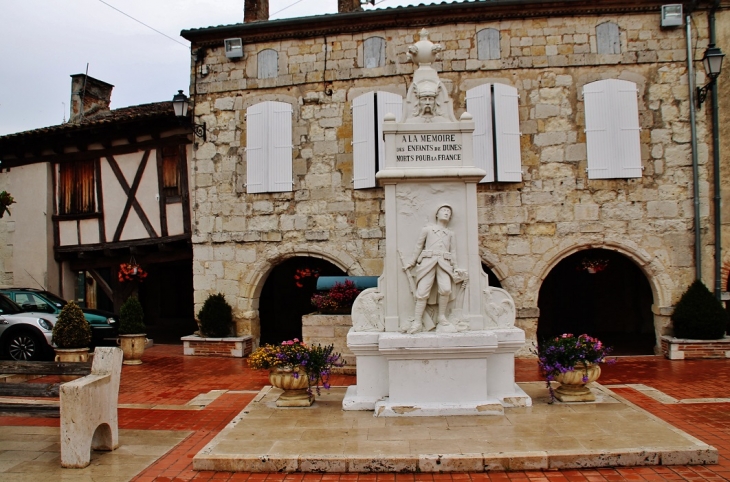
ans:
(497, 268)
(660, 283)
(253, 283)
(654, 270)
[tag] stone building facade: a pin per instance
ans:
(526, 228)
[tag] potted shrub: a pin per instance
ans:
(215, 317)
(338, 299)
(132, 331)
(573, 362)
(296, 368)
(700, 322)
(71, 335)
(699, 315)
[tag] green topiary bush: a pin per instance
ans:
(71, 330)
(131, 317)
(215, 317)
(699, 315)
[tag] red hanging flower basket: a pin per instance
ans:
(131, 272)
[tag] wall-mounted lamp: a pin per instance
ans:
(672, 15)
(180, 104)
(712, 62)
(233, 48)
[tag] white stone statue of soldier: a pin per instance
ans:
(435, 260)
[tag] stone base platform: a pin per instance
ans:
(233, 346)
(610, 432)
(684, 349)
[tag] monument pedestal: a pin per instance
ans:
(432, 374)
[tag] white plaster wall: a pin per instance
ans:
(115, 198)
(175, 219)
(26, 235)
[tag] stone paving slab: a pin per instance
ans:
(31, 453)
(610, 432)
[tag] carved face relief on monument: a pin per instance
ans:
(444, 214)
(427, 99)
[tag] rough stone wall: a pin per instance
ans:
(525, 228)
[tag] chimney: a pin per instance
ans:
(255, 10)
(344, 6)
(88, 96)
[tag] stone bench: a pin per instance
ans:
(87, 407)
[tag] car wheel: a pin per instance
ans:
(24, 345)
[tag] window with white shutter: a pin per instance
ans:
(368, 146)
(612, 129)
(608, 40)
(496, 138)
(269, 147)
(268, 64)
(488, 44)
(374, 52)
(507, 132)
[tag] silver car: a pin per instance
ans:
(24, 336)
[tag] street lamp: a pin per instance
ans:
(712, 61)
(180, 104)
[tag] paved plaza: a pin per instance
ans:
(172, 407)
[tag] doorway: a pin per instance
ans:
(601, 293)
(286, 297)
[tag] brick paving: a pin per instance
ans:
(169, 379)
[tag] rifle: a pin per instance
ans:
(411, 282)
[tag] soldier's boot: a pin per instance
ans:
(417, 324)
(444, 325)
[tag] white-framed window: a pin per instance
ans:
(374, 52)
(608, 39)
(268, 64)
(269, 147)
(488, 44)
(496, 139)
(612, 129)
(368, 146)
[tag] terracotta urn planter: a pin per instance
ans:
(572, 386)
(71, 355)
(133, 347)
(295, 384)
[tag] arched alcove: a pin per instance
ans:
(493, 280)
(602, 293)
(286, 294)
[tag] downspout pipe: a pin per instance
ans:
(716, 166)
(695, 164)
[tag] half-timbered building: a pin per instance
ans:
(107, 189)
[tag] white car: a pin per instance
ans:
(24, 336)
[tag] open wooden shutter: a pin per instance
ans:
(387, 103)
(76, 187)
(507, 133)
(363, 141)
(256, 172)
(612, 129)
(269, 147)
(479, 105)
(280, 142)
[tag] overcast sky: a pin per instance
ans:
(43, 42)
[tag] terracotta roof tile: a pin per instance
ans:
(121, 115)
